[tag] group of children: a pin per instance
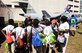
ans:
(49, 35)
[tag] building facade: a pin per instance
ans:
(75, 6)
(53, 7)
(11, 10)
(80, 6)
(5, 11)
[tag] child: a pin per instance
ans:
(28, 37)
(19, 33)
(61, 41)
(36, 29)
(61, 38)
(8, 29)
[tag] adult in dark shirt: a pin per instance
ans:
(27, 20)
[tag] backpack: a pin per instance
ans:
(6, 46)
(61, 39)
(19, 42)
(52, 38)
(9, 38)
(43, 38)
(36, 40)
(25, 37)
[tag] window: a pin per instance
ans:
(77, 15)
(81, 2)
(25, 0)
(81, 11)
(76, 6)
(75, 11)
(17, 6)
(9, 5)
(80, 7)
(70, 5)
(71, 10)
(76, 1)
(70, 0)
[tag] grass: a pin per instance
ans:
(75, 43)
